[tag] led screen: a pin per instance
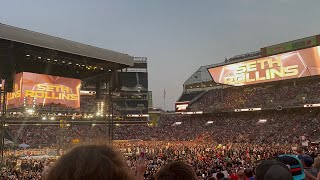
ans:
(295, 64)
(42, 90)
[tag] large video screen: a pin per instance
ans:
(42, 90)
(295, 64)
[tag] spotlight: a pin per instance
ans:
(30, 111)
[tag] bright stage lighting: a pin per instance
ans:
(30, 111)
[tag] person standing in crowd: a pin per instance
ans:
(241, 175)
(307, 162)
(94, 162)
(176, 171)
(249, 174)
(273, 170)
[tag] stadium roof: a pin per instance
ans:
(50, 42)
(201, 75)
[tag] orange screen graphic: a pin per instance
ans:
(41, 90)
(295, 64)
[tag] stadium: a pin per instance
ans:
(57, 94)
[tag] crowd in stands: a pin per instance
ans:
(88, 104)
(226, 127)
(271, 95)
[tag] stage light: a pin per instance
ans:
(70, 63)
(55, 60)
(48, 59)
(30, 111)
(44, 118)
(63, 62)
(39, 57)
(262, 121)
(52, 118)
(28, 55)
(177, 123)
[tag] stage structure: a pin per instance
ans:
(22, 50)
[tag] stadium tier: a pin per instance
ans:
(281, 76)
(260, 127)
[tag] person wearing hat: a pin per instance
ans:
(294, 164)
(273, 170)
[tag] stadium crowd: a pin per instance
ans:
(271, 95)
(222, 142)
(275, 127)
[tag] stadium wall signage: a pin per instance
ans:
(291, 46)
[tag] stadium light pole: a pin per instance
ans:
(3, 94)
(164, 99)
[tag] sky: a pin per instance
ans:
(177, 36)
